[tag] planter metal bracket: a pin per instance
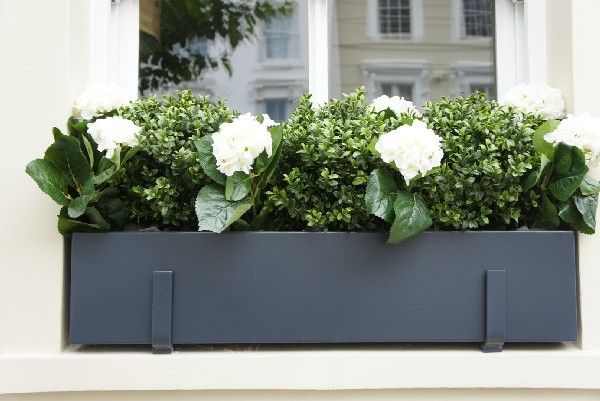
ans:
(162, 311)
(495, 311)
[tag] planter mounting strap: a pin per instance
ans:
(162, 311)
(495, 311)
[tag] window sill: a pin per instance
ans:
(287, 368)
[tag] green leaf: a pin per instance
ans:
(587, 206)
(263, 161)
(412, 217)
(569, 161)
(106, 169)
(66, 155)
(237, 186)
(208, 161)
(569, 213)
(76, 127)
(67, 226)
(96, 218)
(130, 153)
(372, 149)
(50, 180)
(589, 186)
(78, 205)
(565, 187)
(547, 216)
(89, 150)
(540, 144)
(215, 213)
(534, 176)
(381, 194)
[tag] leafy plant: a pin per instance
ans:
(173, 54)
(569, 195)
(161, 181)
(325, 165)
(488, 148)
(226, 200)
(75, 175)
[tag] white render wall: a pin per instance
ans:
(43, 64)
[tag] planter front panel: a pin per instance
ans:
(260, 287)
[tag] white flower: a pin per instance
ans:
(110, 132)
(537, 98)
(98, 99)
(580, 131)
(237, 144)
(397, 104)
(414, 149)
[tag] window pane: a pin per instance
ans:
(418, 49)
(254, 54)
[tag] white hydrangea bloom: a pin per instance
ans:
(397, 104)
(237, 144)
(98, 99)
(537, 98)
(581, 131)
(110, 132)
(268, 121)
(414, 149)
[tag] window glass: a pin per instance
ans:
(254, 54)
(417, 49)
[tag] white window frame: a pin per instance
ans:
(296, 46)
(414, 73)
(467, 73)
(520, 42)
(458, 25)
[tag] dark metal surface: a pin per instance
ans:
(261, 287)
(495, 311)
(162, 311)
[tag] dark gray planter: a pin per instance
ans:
(165, 288)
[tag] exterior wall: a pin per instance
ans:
(46, 62)
(439, 49)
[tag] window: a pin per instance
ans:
(277, 109)
(199, 48)
(343, 56)
(280, 37)
(396, 89)
(394, 17)
(477, 18)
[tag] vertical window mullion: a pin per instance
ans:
(318, 50)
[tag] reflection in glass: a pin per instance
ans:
(251, 53)
(417, 49)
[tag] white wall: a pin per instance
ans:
(44, 62)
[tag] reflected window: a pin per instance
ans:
(394, 17)
(277, 109)
(280, 36)
(477, 17)
(397, 89)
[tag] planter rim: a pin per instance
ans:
(437, 232)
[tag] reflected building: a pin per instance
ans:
(419, 49)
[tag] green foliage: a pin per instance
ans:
(69, 173)
(325, 165)
(568, 194)
(176, 56)
(411, 217)
(162, 179)
(488, 148)
(222, 204)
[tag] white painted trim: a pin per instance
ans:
(535, 25)
(509, 23)
(318, 50)
(305, 369)
(114, 43)
(414, 72)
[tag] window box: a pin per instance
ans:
(263, 287)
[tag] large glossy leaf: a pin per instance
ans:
(540, 144)
(67, 226)
(569, 161)
(78, 205)
(381, 194)
(547, 215)
(587, 206)
(50, 180)
(106, 169)
(66, 155)
(208, 161)
(237, 186)
(589, 186)
(215, 213)
(267, 167)
(412, 217)
(565, 187)
(534, 176)
(569, 213)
